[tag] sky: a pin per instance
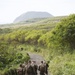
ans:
(11, 9)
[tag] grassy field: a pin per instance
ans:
(35, 36)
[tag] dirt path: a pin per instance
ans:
(36, 57)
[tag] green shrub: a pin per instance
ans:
(63, 65)
(64, 33)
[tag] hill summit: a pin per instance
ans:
(31, 15)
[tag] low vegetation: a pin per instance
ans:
(55, 41)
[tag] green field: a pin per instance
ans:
(53, 38)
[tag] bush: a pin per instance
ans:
(64, 33)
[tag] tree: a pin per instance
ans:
(64, 33)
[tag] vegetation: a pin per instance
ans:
(64, 33)
(55, 41)
(11, 56)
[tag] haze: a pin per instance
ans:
(10, 9)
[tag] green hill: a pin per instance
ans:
(53, 38)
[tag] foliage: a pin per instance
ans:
(64, 33)
(63, 65)
(9, 56)
(52, 43)
(6, 30)
(33, 36)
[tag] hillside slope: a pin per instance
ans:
(44, 22)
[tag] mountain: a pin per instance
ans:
(31, 15)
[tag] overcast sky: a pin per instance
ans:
(10, 9)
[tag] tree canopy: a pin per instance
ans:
(64, 33)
